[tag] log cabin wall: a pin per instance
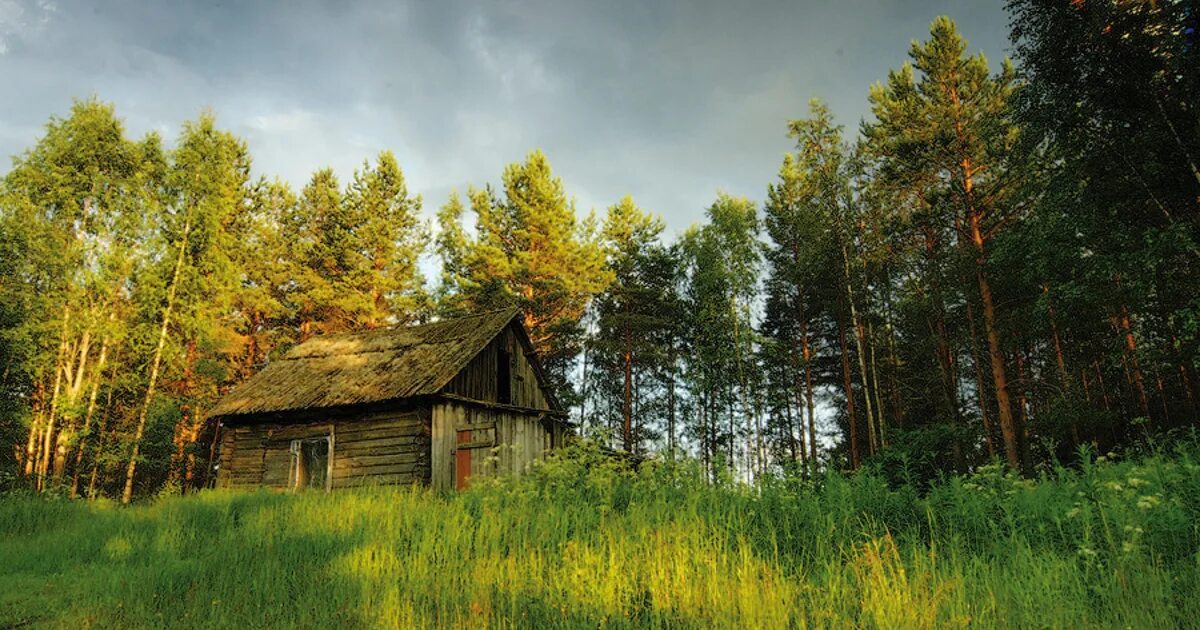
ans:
(470, 441)
(479, 379)
(377, 448)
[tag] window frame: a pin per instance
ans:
(295, 450)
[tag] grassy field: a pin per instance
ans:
(1114, 544)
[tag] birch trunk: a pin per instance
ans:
(87, 417)
(130, 471)
(36, 462)
(67, 432)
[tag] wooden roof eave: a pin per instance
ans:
(556, 415)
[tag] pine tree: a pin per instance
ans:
(389, 237)
(529, 250)
(951, 128)
(321, 232)
(635, 328)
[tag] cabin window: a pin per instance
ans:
(503, 377)
(311, 464)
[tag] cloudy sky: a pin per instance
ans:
(667, 101)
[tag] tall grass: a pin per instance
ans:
(582, 543)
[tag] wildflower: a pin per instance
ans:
(1130, 529)
(1088, 552)
(1073, 512)
(1114, 486)
(1135, 482)
(1128, 546)
(1147, 502)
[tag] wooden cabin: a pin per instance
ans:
(439, 403)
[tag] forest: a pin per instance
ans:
(1000, 263)
(942, 372)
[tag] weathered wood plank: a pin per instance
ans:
(391, 479)
(380, 449)
(371, 460)
(344, 441)
(478, 425)
(383, 469)
(402, 430)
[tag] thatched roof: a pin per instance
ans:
(366, 367)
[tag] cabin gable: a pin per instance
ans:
(505, 363)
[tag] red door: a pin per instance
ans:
(462, 462)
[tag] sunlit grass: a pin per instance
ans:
(587, 544)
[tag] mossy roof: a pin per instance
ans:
(366, 367)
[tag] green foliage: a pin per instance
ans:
(530, 250)
(390, 237)
(585, 541)
(1002, 263)
(721, 264)
(632, 353)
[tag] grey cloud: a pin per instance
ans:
(667, 101)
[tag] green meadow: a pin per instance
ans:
(586, 543)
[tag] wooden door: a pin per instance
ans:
(474, 443)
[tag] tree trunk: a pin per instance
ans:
(87, 417)
(808, 393)
(1023, 404)
(671, 402)
(893, 358)
(39, 408)
(47, 430)
(851, 416)
(789, 440)
(212, 454)
(44, 452)
(859, 343)
(184, 427)
(130, 471)
(68, 432)
(1139, 381)
(744, 393)
(979, 383)
(882, 425)
(1010, 427)
(1103, 388)
(1060, 361)
(627, 406)
(1162, 396)
(100, 426)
